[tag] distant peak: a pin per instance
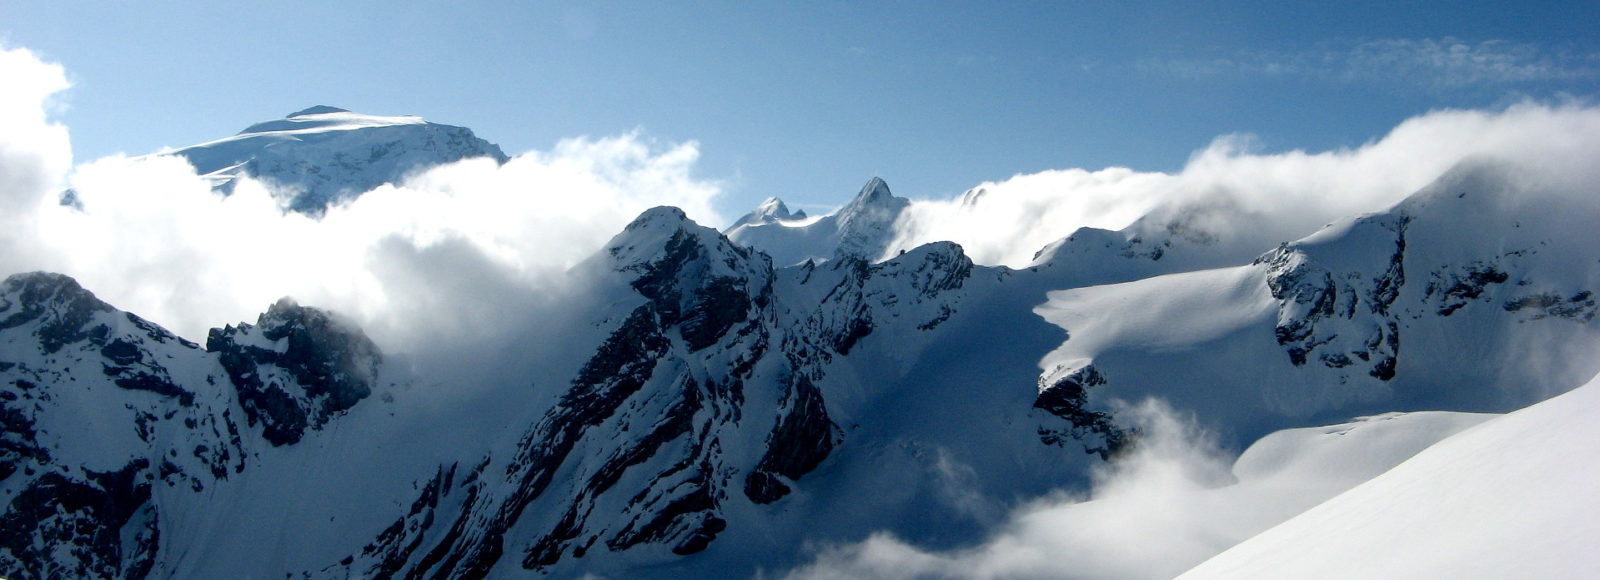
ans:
(874, 189)
(875, 194)
(772, 206)
(317, 110)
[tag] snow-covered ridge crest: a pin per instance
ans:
(322, 118)
(861, 229)
(324, 155)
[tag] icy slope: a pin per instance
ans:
(1444, 302)
(862, 228)
(1512, 498)
(323, 155)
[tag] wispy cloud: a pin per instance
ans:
(1443, 63)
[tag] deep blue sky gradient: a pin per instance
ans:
(808, 100)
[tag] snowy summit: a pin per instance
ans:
(323, 155)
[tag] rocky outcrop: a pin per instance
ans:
(296, 368)
(1064, 394)
(1341, 317)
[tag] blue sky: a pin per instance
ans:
(806, 101)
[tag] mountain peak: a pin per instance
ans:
(774, 207)
(874, 198)
(661, 216)
(325, 155)
(37, 290)
(316, 110)
(771, 210)
(876, 189)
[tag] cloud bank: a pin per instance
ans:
(454, 252)
(1248, 201)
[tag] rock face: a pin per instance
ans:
(324, 155)
(702, 398)
(1342, 318)
(296, 368)
(1434, 304)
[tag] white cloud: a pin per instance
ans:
(448, 253)
(1169, 503)
(34, 151)
(1251, 201)
(455, 252)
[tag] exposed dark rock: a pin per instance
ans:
(802, 438)
(86, 518)
(1068, 398)
(618, 369)
(1317, 304)
(62, 309)
(1580, 306)
(1455, 290)
(296, 368)
(19, 447)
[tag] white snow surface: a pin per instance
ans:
(324, 155)
(1512, 498)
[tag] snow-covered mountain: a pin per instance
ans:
(861, 229)
(717, 404)
(324, 155)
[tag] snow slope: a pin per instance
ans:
(1512, 498)
(324, 155)
(1443, 302)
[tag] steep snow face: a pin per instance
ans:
(1397, 309)
(102, 411)
(1513, 497)
(323, 155)
(861, 229)
(702, 405)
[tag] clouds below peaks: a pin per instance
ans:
(453, 252)
(1246, 201)
(1172, 501)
